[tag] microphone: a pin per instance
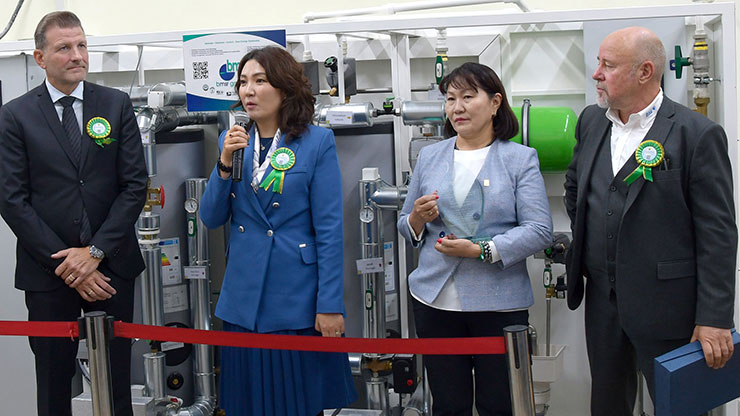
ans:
(241, 118)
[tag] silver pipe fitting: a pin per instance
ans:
(100, 378)
(154, 369)
(152, 299)
(390, 197)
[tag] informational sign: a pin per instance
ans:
(195, 272)
(175, 298)
(211, 62)
(390, 271)
(171, 270)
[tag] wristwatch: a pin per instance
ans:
(97, 253)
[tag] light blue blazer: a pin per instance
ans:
(285, 250)
(516, 215)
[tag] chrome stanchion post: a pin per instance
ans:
(520, 370)
(97, 331)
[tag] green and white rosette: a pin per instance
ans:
(98, 129)
(282, 159)
(649, 154)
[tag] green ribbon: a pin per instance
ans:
(276, 179)
(644, 171)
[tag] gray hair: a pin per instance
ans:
(63, 19)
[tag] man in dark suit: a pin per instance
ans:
(73, 182)
(658, 255)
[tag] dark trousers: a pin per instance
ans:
(450, 378)
(615, 356)
(55, 357)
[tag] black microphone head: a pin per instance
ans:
(241, 118)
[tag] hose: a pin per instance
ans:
(12, 19)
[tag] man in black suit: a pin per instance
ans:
(658, 255)
(73, 182)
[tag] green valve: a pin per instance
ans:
(680, 62)
(439, 68)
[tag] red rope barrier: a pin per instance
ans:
(40, 329)
(432, 346)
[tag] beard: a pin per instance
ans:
(602, 99)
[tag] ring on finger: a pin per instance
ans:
(90, 292)
(430, 213)
(337, 333)
(71, 278)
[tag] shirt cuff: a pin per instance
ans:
(494, 253)
(416, 238)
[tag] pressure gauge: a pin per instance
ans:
(191, 205)
(367, 215)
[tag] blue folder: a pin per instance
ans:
(685, 386)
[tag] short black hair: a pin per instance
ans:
(480, 77)
(63, 19)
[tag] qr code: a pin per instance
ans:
(200, 70)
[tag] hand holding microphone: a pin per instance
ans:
(235, 141)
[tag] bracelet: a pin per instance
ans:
(489, 251)
(222, 167)
(482, 251)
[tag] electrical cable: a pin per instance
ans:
(12, 19)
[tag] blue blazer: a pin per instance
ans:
(285, 251)
(516, 215)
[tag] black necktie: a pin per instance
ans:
(72, 128)
(69, 121)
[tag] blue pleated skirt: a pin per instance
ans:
(261, 382)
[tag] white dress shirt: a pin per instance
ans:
(625, 137)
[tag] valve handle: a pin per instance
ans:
(680, 62)
(161, 196)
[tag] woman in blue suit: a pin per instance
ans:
(491, 188)
(284, 272)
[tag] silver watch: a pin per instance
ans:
(97, 253)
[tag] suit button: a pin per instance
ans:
(476, 216)
(233, 195)
(610, 258)
(609, 212)
(613, 188)
(82, 182)
(241, 228)
(76, 221)
(610, 236)
(269, 233)
(276, 205)
(612, 279)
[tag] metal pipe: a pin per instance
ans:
(152, 299)
(377, 394)
(355, 363)
(548, 301)
(200, 302)
(154, 374)
(390, 197)
(371, 234)
(525, 121)
(520, 370)
(98, 337)
(393, 8)
(373, 284)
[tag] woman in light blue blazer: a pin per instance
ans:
(481, 184)
(285, 252)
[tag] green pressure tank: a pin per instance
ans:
(551, 132)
